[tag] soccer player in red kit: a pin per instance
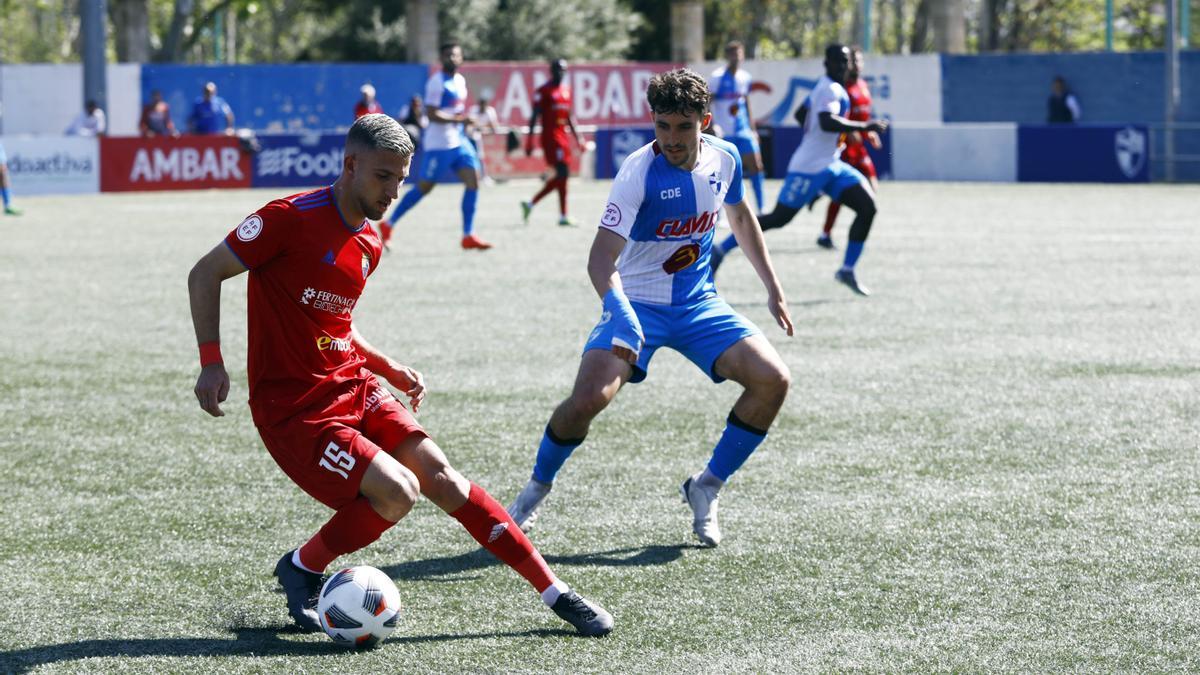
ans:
(855, 151)
(316, 394)
(553, 104)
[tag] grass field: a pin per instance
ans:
(989, 465)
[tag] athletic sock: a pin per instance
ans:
(736, 445)
(831, 216)
(551, 455)
(7, 196)
(470, 197)
(756, 183)
(853, 250)
(385, 231)
(546, 189)
(562, 196)
(408, 201)
(727, 244)
(490, 525)
(353, 526)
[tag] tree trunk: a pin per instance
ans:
(898, 26)
(920, 31)
(949, 27)
(173, 45)
(758, 20)
(131, 28)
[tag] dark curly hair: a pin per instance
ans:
(678, 91)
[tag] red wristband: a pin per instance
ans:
(210, 353)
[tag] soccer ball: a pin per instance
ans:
(359, 607)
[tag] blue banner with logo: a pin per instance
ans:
(614, 145)
(1083, 153)
(298, 160)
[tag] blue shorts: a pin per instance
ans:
(701, 331)
(442, 166)
(801, 188)
(746, 142)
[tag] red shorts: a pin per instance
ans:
(326, 449)
(556, 152)
(857, 157)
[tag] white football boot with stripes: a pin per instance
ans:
(524, 509)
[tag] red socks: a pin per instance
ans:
(385, 231)
(831, 216)
(491, 526)
(353, 526)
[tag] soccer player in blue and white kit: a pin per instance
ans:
(445, 150)
(649, 264)
(730, 87)
(816, 166)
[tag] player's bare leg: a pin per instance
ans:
(601, 375)
(754, 364)
(753, 166)
(488, 523)
(470, 180)
(826, 239)
(6, 194)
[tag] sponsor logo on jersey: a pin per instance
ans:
(250, 228)
(326, 343)
(682, 258)
(377, 398)
(328, 302)
(329, 259)
(1131, 151)
(612, 216)
(673, 228)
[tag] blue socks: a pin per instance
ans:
(470, 197)
(736, 445)
(408, 201)
(727, 244)
(551, 455)
(7, 196)
(756, 182)
(853, 250)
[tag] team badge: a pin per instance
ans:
(250, 228)
(715, 182)
(1131, 151)
(612, 216)
(366, 265)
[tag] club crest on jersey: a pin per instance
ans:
(715, 182)
(250, 228)
(366, 265)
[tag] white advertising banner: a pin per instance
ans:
(43, 98)
(955, 152)
(53, 165)
(904, 88)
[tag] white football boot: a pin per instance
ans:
(703, 501)
(524, 509)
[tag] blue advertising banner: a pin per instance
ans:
(614, 145)
(298, 160)
(286, 98)
(785, 140)
(1083, 153)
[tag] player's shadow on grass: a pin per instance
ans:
(452, 568)
(249, 642)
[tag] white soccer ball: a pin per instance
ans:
(359, 607)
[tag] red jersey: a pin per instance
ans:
(860, 110)
(361, 109)
(308, 268)
(554, 105)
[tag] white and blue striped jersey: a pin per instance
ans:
(729, 92)
(819, 148)
(667, 216)
(450, 95)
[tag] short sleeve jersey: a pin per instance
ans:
(667, 216)
(208, 117)
(449, 94)
(554, 107)
(819, 148)
(308, 267)
(860, 106)
(729, 92)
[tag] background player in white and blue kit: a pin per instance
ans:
(445, 152)
(649, 263)
(816, 166)
(730, 87)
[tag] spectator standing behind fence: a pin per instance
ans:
(156, 118)
(89, 122)
(1063, 106)
(485, 120)
(413, 118)
(210, 114)
(367, 105)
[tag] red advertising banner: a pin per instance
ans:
(605, 95)
(185, 163)
(499, 163)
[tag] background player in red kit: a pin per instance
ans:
(552, 102)
(315, 389)
(855, 151)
